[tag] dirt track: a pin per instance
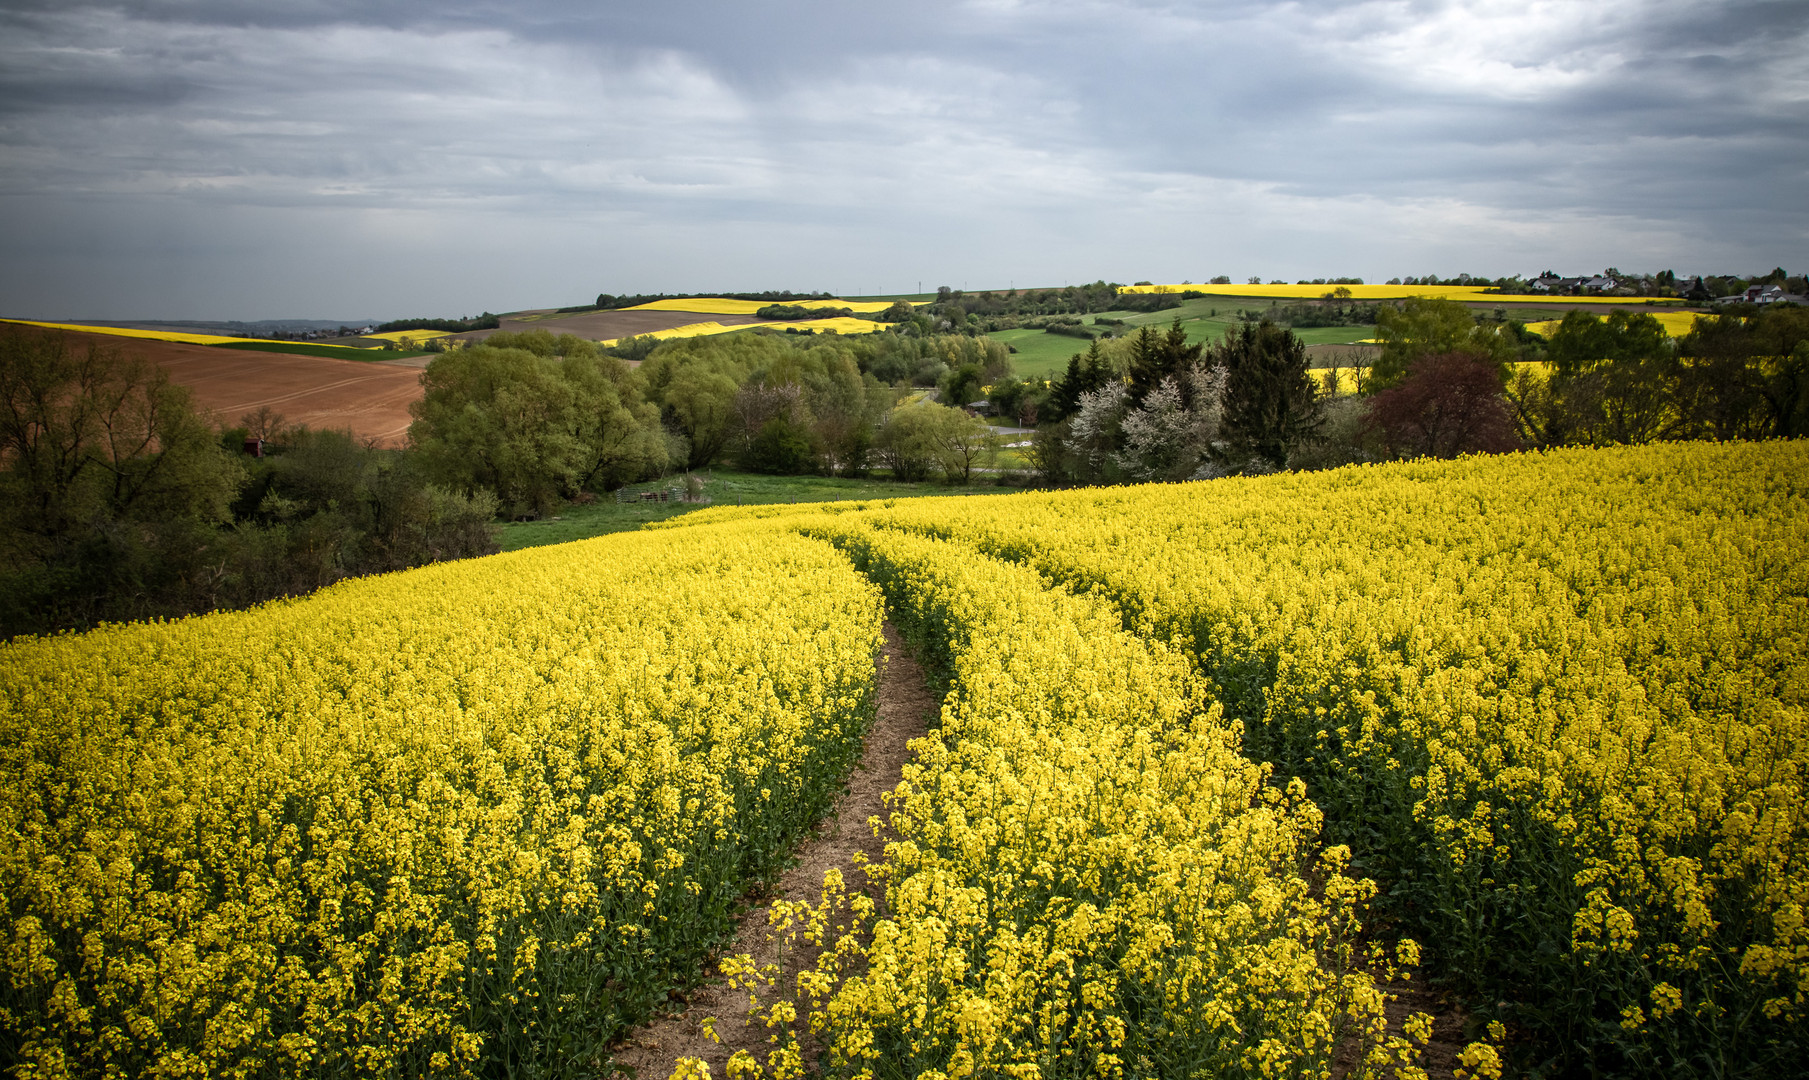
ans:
(370, 399)
(905, 707)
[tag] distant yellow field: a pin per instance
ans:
(720, 305)
(1346, 376)
(697, 329)
(1465, 293)
(1676, 323)
(158, 335)
(1342, 381)
(416, 335)
(154, 335)
(840, 325)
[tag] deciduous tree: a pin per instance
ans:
(1449, 404)
(1614, 380)
(1171, 435)
(1424, 326)
(112, 488)
(531, 428)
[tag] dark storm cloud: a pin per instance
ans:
(484, 154)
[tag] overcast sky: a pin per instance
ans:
(325, 159)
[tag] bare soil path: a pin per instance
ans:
(905, 708)
(1450, 1021)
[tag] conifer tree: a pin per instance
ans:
(1270, 404)
(1085, 374)
(1155, 357)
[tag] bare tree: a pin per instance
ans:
(758, 402)
(263, 424)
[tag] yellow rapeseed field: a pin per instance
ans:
(1546, 714)
(152, 335)
(1559, 702)
(1464, 293)
(1676, 323)
(841, 325)
(471, 819)
(1088, 879)
(722, 305)
(410, 335)
(696, 329)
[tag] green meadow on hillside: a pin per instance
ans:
(1042, 355)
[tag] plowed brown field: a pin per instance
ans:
(607, 325)
(370, 398)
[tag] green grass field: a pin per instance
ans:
(1042, 355)
(724, 488)
(302, 348)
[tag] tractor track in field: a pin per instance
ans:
(651, 1052)
(905, 707)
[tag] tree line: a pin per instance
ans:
(958, 312)
(486, 321)
(118, 500)
(1445, 382)
(540, 419)
(1621, 380)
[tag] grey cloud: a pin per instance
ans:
(659, 145)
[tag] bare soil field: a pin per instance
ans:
(1320, 355)
(369, 399)
(605, 325)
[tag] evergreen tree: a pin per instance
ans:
(1270, 403)
(1155, 357)
(1085, 374)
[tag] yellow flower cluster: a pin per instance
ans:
(1558, 703)
(469, 819)
(1087, 878)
